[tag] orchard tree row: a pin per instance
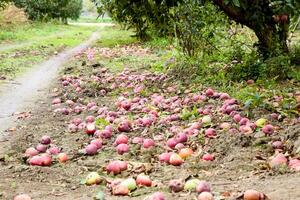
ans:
(269, 19)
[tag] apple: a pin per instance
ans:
(130, 183)
(191, 185)
(206, 119)
(176, 185)
(45, 140)
(165, 157)
(181, 138)
(268, 129)
(148, 143)
(210, 132)
(120, 190)
(90, 128)
(62, 157)
(185, 153)
(225, 126)
(122, 148)
(261, 122)
(203, 186)
(278, 160)
(143, 180)
(30, 152)
(208, 157)
(205, 196)
(175, 159)
(93, 178)
(121, 139)
(172, 143)
(22, 197)
(89, 119)
(209, 92)
(113, 167)
(237, 118)
(157, 196)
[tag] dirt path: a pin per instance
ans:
(20, 94)
(91, 24)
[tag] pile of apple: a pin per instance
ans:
(44, 152)
(136, 109)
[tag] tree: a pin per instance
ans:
(269, 19)
(51, 9)
(140, 15)
(71, 9)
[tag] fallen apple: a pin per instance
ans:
(22, 197)
(122, 148)
(185, 153)
(93, 178)
(130, 183)
(205, 196)
(175, 159)
(176, 185)
(62, 157)
(191, 185)
(90, 128)
(143, 180)
(203, 186)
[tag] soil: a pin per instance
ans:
(241, 160)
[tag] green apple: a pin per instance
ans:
(191, 185)
(129, 183)
(260, 122)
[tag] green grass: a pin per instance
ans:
(91, 19)
(30, 31)
(114, 36)
(33, 45)
(38, 31)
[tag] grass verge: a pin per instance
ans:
(33, 43)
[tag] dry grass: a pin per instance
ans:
(11, 16)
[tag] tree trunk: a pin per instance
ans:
(271, 41)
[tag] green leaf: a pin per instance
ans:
(101, 122)
(236, 3)
(248, 103)
(226, 2)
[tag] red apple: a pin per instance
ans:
(143, 180)
(90, 129)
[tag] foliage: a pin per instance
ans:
(139, 15)
(3, 3)
(197, 27)
(51, 9)
(269, 19)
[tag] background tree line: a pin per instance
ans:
(199, 26)
(46, 10)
